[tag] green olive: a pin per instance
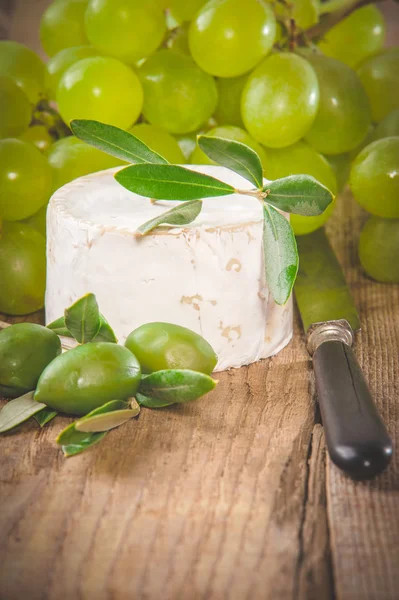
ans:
(161, 346)
(25, 351)
(87, 377)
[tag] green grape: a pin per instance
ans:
(296, 160)
(124, 29)
(62, 25)
(306, 12)
(71, 158)
(388, 127)
(39, 136)
(343, 118)
(228, 38)
(356, 37)
(22, 269)
(280, 100)
(58, 64)
(178, 96)
(15, 109)
(380, 78)
(187, 144)
(25, 179)
(374, 178)
(160, 141)
(25, 67)
(102, 89)
(38, 220)
(379, 249)
(229, 132)
(341, 165)
(228, 110)
(185, 10)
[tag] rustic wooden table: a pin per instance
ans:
(231, 497)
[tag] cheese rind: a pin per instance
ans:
(207, 276)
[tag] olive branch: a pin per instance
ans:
(153, 177)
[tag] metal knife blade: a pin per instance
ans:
(357, 439)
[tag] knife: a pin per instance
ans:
(357, 439)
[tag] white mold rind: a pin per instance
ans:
(207, 276)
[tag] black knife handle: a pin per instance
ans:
(357, 439)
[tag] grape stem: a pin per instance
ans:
(334, 12)
(45, 114)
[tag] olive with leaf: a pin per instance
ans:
(87, 377)
(98, 380)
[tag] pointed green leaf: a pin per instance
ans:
(44, 416)
(176, 385)
(82, 319)
(74, 441)
(149, 402)
(70, 435)
(18, 410)
(89, 440)
(299, 194)
(170, 182)
(280, 254)
(115, 141)
(235, 156)
(106, 421)
(58, 326)
(179, 215)
(105, 333)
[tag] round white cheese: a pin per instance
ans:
(207, 276)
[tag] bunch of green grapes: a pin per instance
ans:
(308, 97)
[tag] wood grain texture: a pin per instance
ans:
(363, 517)
(223, 499)
(201, 501)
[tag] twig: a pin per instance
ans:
(331, 19)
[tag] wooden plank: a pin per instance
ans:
(363, 517)
(201, 501)
(314, 573)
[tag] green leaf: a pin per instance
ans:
(299, 194)
(58, 326)
(105, 333)
(106, 421)
(235, 156)
(115, 141)
(149, 402)
(179, 215)
(90, 440)
(280, 254)
(170, 182)
(44, 416)
(74, 441)
(175, 386)
(18, 411)
(82, 319)
(70, 435)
